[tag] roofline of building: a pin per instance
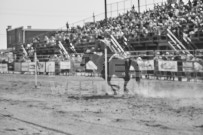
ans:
(44, 29)
(14, 28)
(30, 29)
(6, 50)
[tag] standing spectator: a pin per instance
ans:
(67, 26)
(180, 65)
(156, 67)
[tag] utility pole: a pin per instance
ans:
(105, 51)
(139, 6)
(93, 18)
(146, 4)
(124, 6)
(117, 8)
(111, 10)
(138, 17)
(105, 5)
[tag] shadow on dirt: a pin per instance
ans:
(201, 126)
(98, 97)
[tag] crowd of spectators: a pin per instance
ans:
(180, 17)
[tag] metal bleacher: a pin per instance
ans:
(175, 43)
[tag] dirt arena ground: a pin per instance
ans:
(77, 106)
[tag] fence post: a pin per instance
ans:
(106, 67)
(35, 69)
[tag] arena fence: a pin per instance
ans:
(151, 63)
(150, 69)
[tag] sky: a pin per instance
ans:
(53, 14)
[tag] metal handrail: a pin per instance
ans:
(176, 39)
(172, 46)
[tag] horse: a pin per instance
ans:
(118, 66)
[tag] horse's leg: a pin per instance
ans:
(109, 82)
(126, 80)
(137, 71)
(112, 85)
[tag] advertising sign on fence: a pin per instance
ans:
(188, 67)
(4, 67)
(168, 66)
(25, 67)
(10, 66)
(41, 66)
(198, 67)
(50, 66)
(65, 65)
(146, 65)
(91, 66)
(32, 67)
(75, 63)
(17, 67)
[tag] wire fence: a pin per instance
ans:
(120, 7)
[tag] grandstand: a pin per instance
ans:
(168, 26)
(170, 31)
(153, 29)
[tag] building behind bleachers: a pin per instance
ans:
(19, 36)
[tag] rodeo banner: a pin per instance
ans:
(41, 66)
(168, 66)
(75, 63)
(50, 67)
(188, 66)
(192, 67)
(146, 65)
(32, 67)
(65, 65)
(198, 67)
(91, 66)
(25, 67)
(17, 66)
(3, 68)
